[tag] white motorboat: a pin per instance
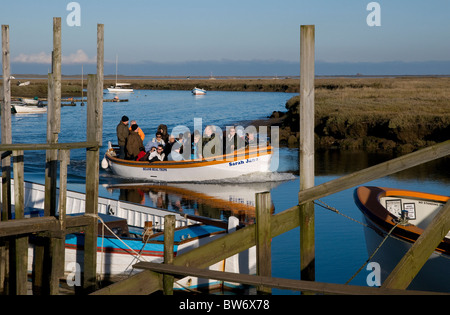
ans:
(238, 163)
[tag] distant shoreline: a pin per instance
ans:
(396, 114)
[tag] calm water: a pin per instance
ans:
(340, 243)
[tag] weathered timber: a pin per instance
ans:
(48, 146)
(306, 166)
(418, 254)
(263, 238)
(169, 234)
(19, 245)
(41, 224)
(285, 284)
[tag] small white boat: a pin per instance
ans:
(238, 163)
(134, 241)
(198, 91)
(30, 101)
(120, 88)
(29, 109)
(383, 208)
(23, 83)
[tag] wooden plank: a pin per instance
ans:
(263, 238)
(410, 265)
(306, 167)
(48, 146)
(169, 235)
(40, 224)
(285, 284)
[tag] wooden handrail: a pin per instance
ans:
(49, 146)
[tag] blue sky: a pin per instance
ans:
(179, 32)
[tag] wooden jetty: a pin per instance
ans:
(51, 229)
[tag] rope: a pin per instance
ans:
(375, 251)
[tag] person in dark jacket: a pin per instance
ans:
(134, 143)
(122, 134)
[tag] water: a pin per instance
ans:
(340, 243)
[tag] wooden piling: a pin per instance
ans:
(307, 237)
(6, 138)
(263, 239)
(169, 234)
(18, 277)
(94, 134)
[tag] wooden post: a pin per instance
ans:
(263, 239)
(169, 234)
(6, 138)
(94, 133)
(307, 238)
(418, 254)
(19, 245)
(100, 66)
(46, 251)
(92, 182)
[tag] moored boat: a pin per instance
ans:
(30, 101)
(383, 208)
(134, 238)
(21, 108)
(198, 91)
(232, 165)
(120, 88)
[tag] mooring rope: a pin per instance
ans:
(374, 252)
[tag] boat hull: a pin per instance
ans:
(224, 167)
(30, 109)
(382, 208)
(197, 91)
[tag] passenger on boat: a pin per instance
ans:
(157, 140)
(134, 143)
(140, 132)
(196, 153)
(168, 147)
(163, 130)
(122, 134)
(212, 142)
(232, 141)
(158, 155)
(251, 140)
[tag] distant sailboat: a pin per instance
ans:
(119, 87)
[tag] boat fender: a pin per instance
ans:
(105, 163)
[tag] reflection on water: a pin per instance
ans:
(218, 201)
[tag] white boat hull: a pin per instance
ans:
(434, 275)
(30, 109)
(118, 90)
(197, 91)
(195, 170)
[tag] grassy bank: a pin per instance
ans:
(400, 114)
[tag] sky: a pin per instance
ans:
(246, 37)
